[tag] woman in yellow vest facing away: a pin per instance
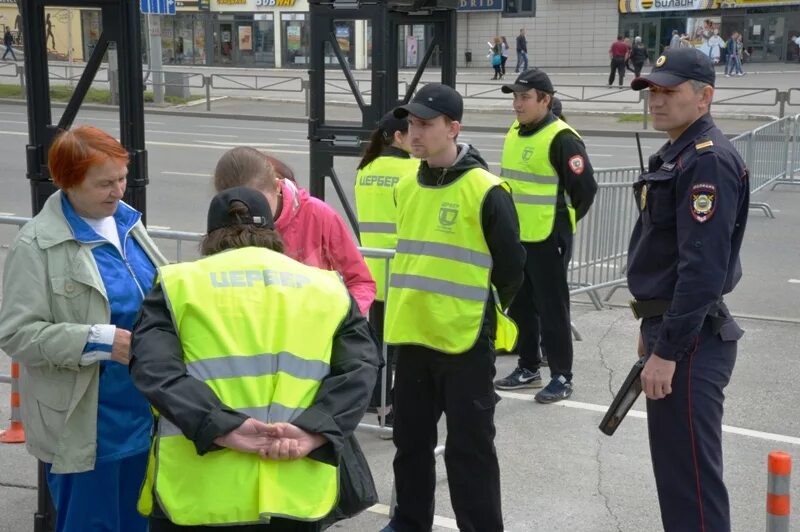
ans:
(252, 411)
(386, 161)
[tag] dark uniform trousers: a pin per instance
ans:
(686, 434)
(541, 307)
(428, 383)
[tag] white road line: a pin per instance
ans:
(794, 281)
(90, 119)
(766, 436)
(190, 134)
(191, 174)
(214, 146)
(438, 520)
(18, 133)
(11, 113)
(14, 122)
(159, 227)
(6, 214)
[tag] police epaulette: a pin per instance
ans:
(706, 144)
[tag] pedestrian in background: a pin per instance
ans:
(638, 56)
(545, 163)
(618, 54)
(73, 282)
(733, 49)
(675, 40)
(683, 258)
(385, 163)
(497, 57)
(458, 241)
(313, 233)
(259, 368)
(505, 51)
(522, 52)
(8, 41)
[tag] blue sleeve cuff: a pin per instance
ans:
(99, 344)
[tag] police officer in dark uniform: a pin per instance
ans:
(683, 257)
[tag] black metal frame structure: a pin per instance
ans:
(120, 21)
(120, 26)
(328, 140)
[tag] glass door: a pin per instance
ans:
(764, 38)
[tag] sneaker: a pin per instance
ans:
(520, 378)
(558, 388)
(727, 75)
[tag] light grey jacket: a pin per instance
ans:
(52, 295)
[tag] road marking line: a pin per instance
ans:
(438, 520)
(794, 281)
(6, 214)
(19, 133)
(190, 134)
(159, 227)
(14, 122)
(191, 174)
(766, 436)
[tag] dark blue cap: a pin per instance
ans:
(432, 100)
(676, 66)
(219, 214)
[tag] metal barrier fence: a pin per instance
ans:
(792, 176)
(770, 153)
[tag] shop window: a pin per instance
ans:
(295, 38)
(519, 8)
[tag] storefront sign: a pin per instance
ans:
(293, 36)
(650, 6)
(245, 37)
(192, 5)
(480, 5)
(255, 5)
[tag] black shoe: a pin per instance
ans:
(520, 378)
(559, 388)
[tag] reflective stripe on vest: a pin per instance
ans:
(440, 281)
(526, 167)
(377, 216)
(242, 317)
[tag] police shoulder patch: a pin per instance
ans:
(577, 164)
(703, 202)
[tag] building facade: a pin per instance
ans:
(768, 27)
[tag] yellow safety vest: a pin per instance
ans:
(243, 318)
(441, 276)
(526, 167)
(377, 214)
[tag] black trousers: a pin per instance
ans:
(377, 314)
(275, 525)
(503, 60)
(637, 68)
(617, 67)
(686, 432)
(541, 307)
(428, 383)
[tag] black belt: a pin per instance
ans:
(653, 308)
(649, 308)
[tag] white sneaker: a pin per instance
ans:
(740, 74)
(727, 75)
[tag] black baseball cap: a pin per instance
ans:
(432, 100)
(530, 79)
(390, 123)
(260, 213)
(676, 66)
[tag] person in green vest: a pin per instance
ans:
(251, 410)
(458, 263)
(545, 162)
(385, 162)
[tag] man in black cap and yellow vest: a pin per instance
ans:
(552, 182)
(458, 262)
(252, 409)
(683, 257)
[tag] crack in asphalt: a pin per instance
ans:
(606, 499)
(19, 486)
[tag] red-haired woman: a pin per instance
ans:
(74, 280)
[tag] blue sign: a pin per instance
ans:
(480, 5)
(158, 7)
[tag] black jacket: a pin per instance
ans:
(577, 181)
(157, 369)
(498, 219)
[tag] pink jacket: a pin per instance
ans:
(314, 234)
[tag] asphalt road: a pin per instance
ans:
(558, 472)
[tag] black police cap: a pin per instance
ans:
(432, 100)
(218, 210)
(530, 79)
(676, 66)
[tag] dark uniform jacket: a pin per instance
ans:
(693, 204)
(158, 370)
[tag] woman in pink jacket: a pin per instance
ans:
(313, 233)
